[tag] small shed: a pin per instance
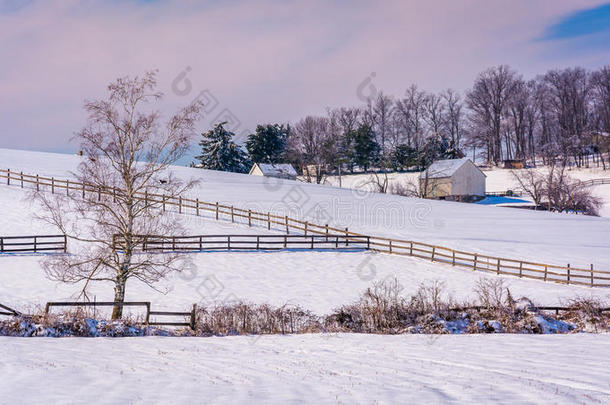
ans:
(452, 178)
(514, 164)
(279, 170)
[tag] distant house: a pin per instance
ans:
(279, 170)
(452, 179)
(514, 164)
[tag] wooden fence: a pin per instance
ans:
(4, 310)
(191, 315)
(202, 243)
(33, 244)
(595, 182)
(589, 276)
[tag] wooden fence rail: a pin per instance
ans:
(595, 182)
(33, 244)
(191, 315)
(4, 310)
(589, 276)
(200, 243)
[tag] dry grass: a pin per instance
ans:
(382, 308)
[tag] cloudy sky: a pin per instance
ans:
(270, 61)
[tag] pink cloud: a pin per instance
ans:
(265, 61)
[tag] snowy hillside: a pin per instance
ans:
(319, 281)
(337, 369)
(554, 238)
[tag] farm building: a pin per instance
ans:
(514, 164)
(279, 170)
(452, 179)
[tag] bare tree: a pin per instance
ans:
(487, 102)
(454, 117)
(127, 154)
(533, 184)
(382, 113)
(435, 113)
(412, 111)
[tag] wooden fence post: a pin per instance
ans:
(568, 273)
(433, 252)
(453, 257)
(346, 237)
(52, 185)
(520, 269)
(8, 177)
(99, 193)
(546, 269)
(475, 261)
(197, 206)
(37, 183)
(390, 247)
(229, 241)
(326, 226)
(312, 237)
(268, 220)
(68, 187)
(249, 218)
(411, 248)
(258, 242)
(306, 223)
(498, 268)
(287, 227)
(193, 322)
(591, 274)
(21, 173)
(216, 210)
(83, 190)
(285, 241)
(163, 200)
(179, 204)
(35, 244)
(232, 215)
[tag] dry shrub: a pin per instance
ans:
(244, 318)
(75, 322)
(586, 312)
(490, 292)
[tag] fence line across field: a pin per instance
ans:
(540, 271)
(33, 244)
(146, 304)
(201, 243)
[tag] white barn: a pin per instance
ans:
(452, 178)
(279, 170)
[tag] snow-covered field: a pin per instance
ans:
(319, 281)
(508, 369)
(312, 368)
(498, 180)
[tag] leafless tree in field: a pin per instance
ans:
(488, 101)
(533, 184)
(127, 150)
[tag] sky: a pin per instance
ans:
(270, 61)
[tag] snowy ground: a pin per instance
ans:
(507, 232)
(497, 180)
(510, 369)
(312, 368)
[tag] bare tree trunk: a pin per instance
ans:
(119, 296)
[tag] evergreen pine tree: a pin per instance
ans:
(366, 149)
(268, 143)
(219, 152)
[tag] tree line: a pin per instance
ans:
(563, 114)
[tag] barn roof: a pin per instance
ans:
(278, 169)
(444, 168)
